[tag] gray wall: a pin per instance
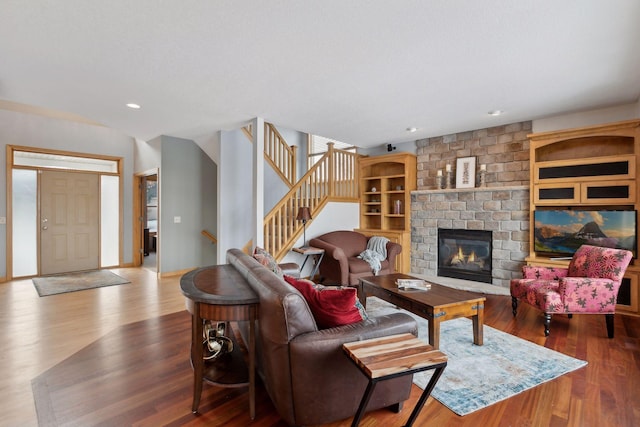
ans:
(209, 208)
(234, 192)
(588, 118)
(299, 139)
(33, 130)
(235, 186)
(275, 187)
(148, 155)
(187, 190)
(381, 150)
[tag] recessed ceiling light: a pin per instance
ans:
(495, 112)
(412, 129)
(134, 106)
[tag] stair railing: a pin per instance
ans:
(334, 177)
(248, 131)
(209, 236)
(283, 157)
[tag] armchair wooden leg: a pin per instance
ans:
(609, 318)
(547, 322)
(514, 305)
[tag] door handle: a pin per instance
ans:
(44, 227)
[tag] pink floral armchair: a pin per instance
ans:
(589, 285)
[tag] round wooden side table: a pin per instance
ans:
(220, 293)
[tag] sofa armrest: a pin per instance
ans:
(306, 349)
(393, 250)
(334, 253)
(290, 269)
(544, 273)
(373, 327)
(325, 381)
(330, 250)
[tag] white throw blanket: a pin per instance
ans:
(375, 253)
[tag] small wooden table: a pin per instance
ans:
(308, 251)
(394, 356)
(221, 293)
(438, 304)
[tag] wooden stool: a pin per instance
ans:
(393, 356)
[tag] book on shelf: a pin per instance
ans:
(418, 284)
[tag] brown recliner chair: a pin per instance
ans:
(341, 264)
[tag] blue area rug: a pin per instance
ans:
(479, 376)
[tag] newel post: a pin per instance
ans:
(332, 180)
(293, 167)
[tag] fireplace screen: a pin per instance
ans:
(465, 254)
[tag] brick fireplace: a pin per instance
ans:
(503, 210)
(465, 254)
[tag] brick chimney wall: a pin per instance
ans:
(504, 149)
(502, 207)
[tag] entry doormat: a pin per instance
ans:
(72, 282)
(479, 376)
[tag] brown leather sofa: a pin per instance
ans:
(304, 370)
(341, 263)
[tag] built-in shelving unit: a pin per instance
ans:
(386, 183)
(594, 167)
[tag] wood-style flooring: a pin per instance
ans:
(118, 356)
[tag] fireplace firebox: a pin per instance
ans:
(465, 254)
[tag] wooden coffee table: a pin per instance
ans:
(437, 304)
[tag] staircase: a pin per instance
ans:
(333, 178)
(277, 152)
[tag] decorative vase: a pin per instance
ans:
(397, 207)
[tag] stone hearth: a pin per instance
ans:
(502, 210)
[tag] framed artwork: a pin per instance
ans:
(466, 172)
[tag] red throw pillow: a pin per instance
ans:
(331, 306)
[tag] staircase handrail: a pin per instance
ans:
(209, 236)
(281, 156)
(333, 177)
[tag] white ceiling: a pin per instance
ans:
(358, 71)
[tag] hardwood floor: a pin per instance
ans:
(95, 357)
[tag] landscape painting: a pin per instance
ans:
(564, 231)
